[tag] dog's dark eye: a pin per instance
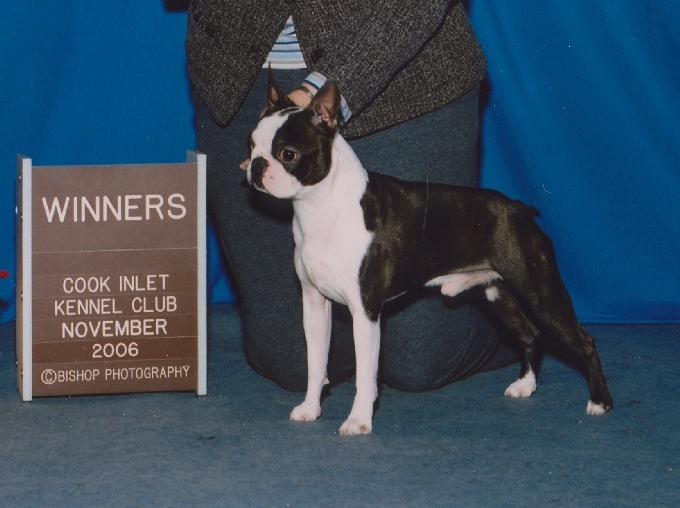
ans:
(287, 155)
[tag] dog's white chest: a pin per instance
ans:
(330, 254)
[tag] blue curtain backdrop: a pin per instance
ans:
(583, 121)
(580, 119)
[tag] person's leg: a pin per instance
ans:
(429, 342)
(256, 236)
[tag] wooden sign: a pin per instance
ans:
(111, 279)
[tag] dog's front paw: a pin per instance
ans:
(356, 426)
(522, 388)
(306, 412)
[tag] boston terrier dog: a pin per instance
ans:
(363, 238)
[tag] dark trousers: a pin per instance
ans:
(427, 341)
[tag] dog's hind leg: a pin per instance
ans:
(560, 318)
(562, 321)
(540, 287)
(502, 306)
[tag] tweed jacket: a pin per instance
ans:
(394, 59)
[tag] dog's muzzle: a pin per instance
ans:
(257, 168)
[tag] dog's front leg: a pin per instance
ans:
(367, 348)
(316, 315)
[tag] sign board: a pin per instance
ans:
(111, 278)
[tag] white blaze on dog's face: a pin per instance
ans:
(290, 149)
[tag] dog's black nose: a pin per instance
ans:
(257, 169)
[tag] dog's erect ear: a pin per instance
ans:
(276, 98)
(326, 105)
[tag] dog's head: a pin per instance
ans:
(290, 149)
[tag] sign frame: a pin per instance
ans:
(25, 278)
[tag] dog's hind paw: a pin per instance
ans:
(523, 387)
(595, 409)
(306, 412)
(355, 426)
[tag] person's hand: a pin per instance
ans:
(301, 98)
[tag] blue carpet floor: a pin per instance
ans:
(465, 445)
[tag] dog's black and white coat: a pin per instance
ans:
(363, 238)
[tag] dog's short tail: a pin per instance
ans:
(521, 206)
